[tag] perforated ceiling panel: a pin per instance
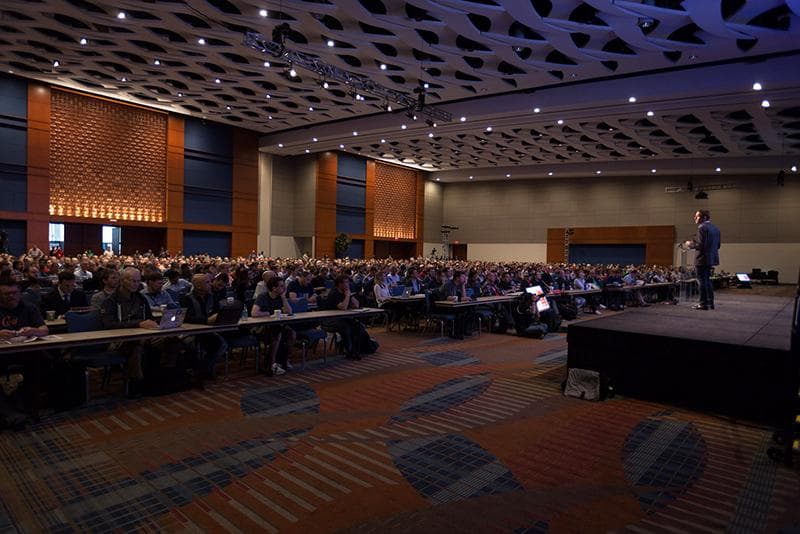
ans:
(462, 49)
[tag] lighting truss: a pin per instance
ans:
(700, 187)
(358, 83)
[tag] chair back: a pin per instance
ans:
(175, 294)
(299, 305)
(87, 321)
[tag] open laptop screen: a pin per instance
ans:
(535, 290)
(743, 277)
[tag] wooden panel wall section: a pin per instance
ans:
(325, 209)
(38, 214)
(245, 192)
(420, 226)
(658, 240)
(369, 211)
(174, 218)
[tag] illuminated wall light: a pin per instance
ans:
(718, 169)
(430, 134)
(598, 172)
(217, 80)
(355, 133)
(652, 170)
(325, 85)
(488, 128)
(156, 62)
(310, 108)
(508, 175)
(280, 145)
(308, 151)
(292, 72)
(314, 139)
(550, 173)
(793, 168)
(403, 126)
(341, 146)
(56, 64)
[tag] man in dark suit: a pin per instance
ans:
(64, 296)
(707, 246)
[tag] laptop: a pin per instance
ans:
(535, 290)
(542, 305)
(743, 277)
(172, 318)
(229, 315)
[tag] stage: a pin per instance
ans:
(734, 360)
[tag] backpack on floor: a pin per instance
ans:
(568, 311)
(366, 343)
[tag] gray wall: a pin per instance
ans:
(293, 196)
(432, 212)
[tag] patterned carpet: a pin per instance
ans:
(424, 436)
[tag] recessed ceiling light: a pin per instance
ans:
(470, 177)
(757, 86)
(280, 145)
(308, 151)
(201, 41)
(267, 64)
(383, 140)
(508, 175)
(314, 139)
(537, 110)
(355, 133)
(403, 126)
(228, 108)
(598, 172)
(793, 168)
(269, 117)
(631, 99)
(463, 119)
(310, 108)
(438, 179)
(292, 72)
(56, 64)
(263, 12)
(426, 85)
(652, 170)
(341, 146)
(550, 173)
(325, 85)
(83, 41)
(488, 128)
(156, 62)
(560, 121)
(383, 66)
(430, 134)
(123, 79)
(765, 103)
(268, 96)
(650, 113)
(180, 95)
(331, 43)
(718, 169)
(217, 80)
(121, 15)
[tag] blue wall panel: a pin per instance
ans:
(13, 97)
(13, 143)
(17, 233)
(13, 188)
(206, 207)
(351, 167)
(621, 254)
(351, 195)
(214, 243)
(350, 222)
(208, 137)
(356, 249)
(216, 175)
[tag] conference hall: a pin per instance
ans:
(519, 266)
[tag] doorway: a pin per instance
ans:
(459, 251)
(112, 237)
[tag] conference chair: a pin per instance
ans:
(309, 336)
(94, 356)
(432, 316)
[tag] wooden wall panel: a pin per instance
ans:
(369, 210)
(420, 214)
(174, 202)
(38, 164)
(658, 240)
(245, 192)
(325, 210)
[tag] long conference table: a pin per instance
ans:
(39, 346)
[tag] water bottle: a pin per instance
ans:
(244, 313)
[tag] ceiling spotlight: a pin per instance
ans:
(550, 173)
(470, 177)
(650, 113)
(598, 172)
(403, 126)
(653, 171)
(560, 121)
(341, 146)
(765, 103)
(488, 128)
(757, 86)
(156, 62)
(266, 64)
(292, 72)
(355, 133)
(718, 169)
(121, 15)
(701, 195)
(228, 108)
(330, 43)
(269, 117)
(308, 151)
(314, 139)
(426, 85)
(268, 96)
(123, 79)
(325, 85)
(793, 168)
(388, 107)
(430, 134)
(631, 99)
(383, 66)
(280, 145)
(56, 64)
(83, 41)
(536, 110)
(463, 119)
(180, 95)
(438, 179)
(263, 12)
(217, 80)
(508, 175)
(383, 140)
(310, 108)
(201, 41)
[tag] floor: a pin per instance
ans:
(427, 435)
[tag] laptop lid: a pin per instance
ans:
(172, 318)
(743, 277)
(535, 290)
(229, 315)
(542, 305)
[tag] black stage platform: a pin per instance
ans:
(734, 360)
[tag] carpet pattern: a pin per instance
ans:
(454, 436)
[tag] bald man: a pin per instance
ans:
(202, 308)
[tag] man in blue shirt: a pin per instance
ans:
(707, 245)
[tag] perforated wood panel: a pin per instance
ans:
(107, 160)
(395, 202)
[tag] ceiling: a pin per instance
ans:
(515, 66)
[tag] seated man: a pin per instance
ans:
(261, 287)
(456, 290)
(634, 279)
(340, 298)
(175, 283)
(84, 272)
(110, 280)
(127, 308)
(64, 296)
(19, 319)
(154, 293)
(201, 308)
(301, 287)
(266, 304)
